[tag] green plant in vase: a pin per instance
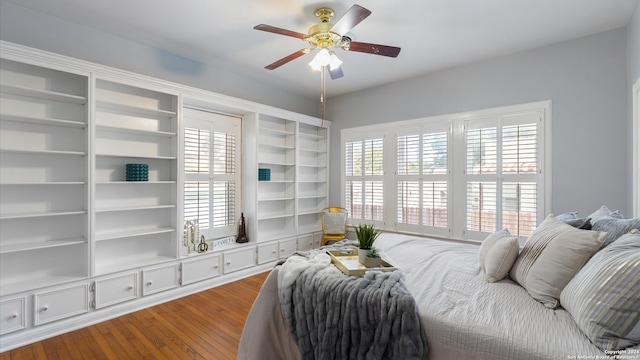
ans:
(366, 234)
(373, 259)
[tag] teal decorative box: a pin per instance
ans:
(264, 174)
(137, 172)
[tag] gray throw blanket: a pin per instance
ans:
(334, 316)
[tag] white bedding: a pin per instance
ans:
(463, 315)
(466, 317)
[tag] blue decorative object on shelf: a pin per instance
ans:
(137, 172)
(264, 174)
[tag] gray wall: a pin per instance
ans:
(633, 71)
(586, 80)
(35, 29)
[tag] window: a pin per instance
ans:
(211, 171)
(461, 176)
(364, 183)
(502, 174)
(422, 178)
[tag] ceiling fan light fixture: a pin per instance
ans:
(322, 58)
(335, 62)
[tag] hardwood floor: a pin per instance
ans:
(206, 325)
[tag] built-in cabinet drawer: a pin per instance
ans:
(317, 240)
(305, 242)
(267, 252)
(200, 269)
(59, 304)
(116, 290)
(159, 279)
(287, 247)
(13, 315)
(239, 259)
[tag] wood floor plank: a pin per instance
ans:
(205, 325)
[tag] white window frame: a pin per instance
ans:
(216, 122)
(636, 148)
(356, 137)
(456, 164)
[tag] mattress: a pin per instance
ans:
(466, 317)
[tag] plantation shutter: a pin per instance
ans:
(364, 179)
(212, 175)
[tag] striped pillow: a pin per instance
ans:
(615, 228)
(604, 297)
(552, 255)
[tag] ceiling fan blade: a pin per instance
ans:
(277, 30)
(375, 49)
(350, 19)
(286, 59)
(335, 73)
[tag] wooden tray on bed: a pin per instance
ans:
(347, 261)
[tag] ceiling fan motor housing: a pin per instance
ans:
(320, 35)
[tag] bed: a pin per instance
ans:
(462, 315)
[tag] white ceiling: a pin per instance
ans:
(433, 34)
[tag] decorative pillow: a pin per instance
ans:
(334, 223)
(615, 228)
(500, 258)
(552, 255)
(603, 212)
(488, 243)
(604, 297)
(567, 216)
(584, 224)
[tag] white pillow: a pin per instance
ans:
(500, 258)
(602, 212)
(488, 243)
(552, 255)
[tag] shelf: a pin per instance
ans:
(135, 131)
(261, 163)
(311, 197)
(133, 208)
(43, 121)
(311, 136)
(276, 199)
(37, 245)
(42, 94)
(134, 109)
(274, 216)
(315, 151)
(44, 183)
(312, 181)
(281, 147)
(276, 132)
(131, 233)
(44, 152)
(309, 212)
(138, 156)
(42, 214)
(313, 166)
(135, 182)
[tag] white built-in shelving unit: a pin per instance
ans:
(79, 243)
(135, 221)
(43, 176)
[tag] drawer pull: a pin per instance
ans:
(281, 250)
(228, 263)
(13, 316)
(215, 267)
(45, 308)
(273, 252)
(149, 283)
(130, 287)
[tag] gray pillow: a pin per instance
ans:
(615, 228)
(604, 297)
(552, 255)
(584, 224)
(604, 211)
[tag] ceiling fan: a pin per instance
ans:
(326, 36)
